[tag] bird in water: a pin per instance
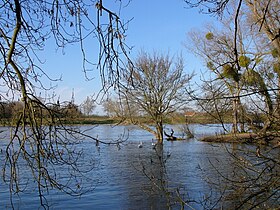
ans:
(154, 144)
(168, 154)
(140, 145)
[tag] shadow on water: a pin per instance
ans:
(180, 175)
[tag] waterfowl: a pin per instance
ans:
(140, 145)
(168, 154)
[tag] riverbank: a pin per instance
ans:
(243, 138)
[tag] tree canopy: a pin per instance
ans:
(156, 86)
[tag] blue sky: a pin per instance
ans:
(157, 25)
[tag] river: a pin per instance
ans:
(129, 177)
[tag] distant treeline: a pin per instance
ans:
(70, 113)
(10, 112)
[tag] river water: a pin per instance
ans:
(129, 177)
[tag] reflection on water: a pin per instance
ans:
(129, 177)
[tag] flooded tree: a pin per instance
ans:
(156, 86)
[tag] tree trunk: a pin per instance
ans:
(272, 31)
(269, 110)
(241, 115)
(235, 115)
(159, 128)
(278, 96)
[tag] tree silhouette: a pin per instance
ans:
(27, 27)
(156, 86)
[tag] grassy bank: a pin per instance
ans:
(252, 138)
(198, 118)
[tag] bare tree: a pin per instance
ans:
(214, 101)
(39, 135)
(254, 180)
(239, 62)
(211, 6)
(264, 18)
(118, 108)
(112, 107)
(217, 50)
(157, 87)
(88, 105)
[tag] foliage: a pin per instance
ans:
(243, 46)
(253, 78)
(276, 68)
(230, 72)
(209, 36)
(241, 56)
(274, 53)
(210, 65)
(244, 61)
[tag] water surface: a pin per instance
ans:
(129, 177)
